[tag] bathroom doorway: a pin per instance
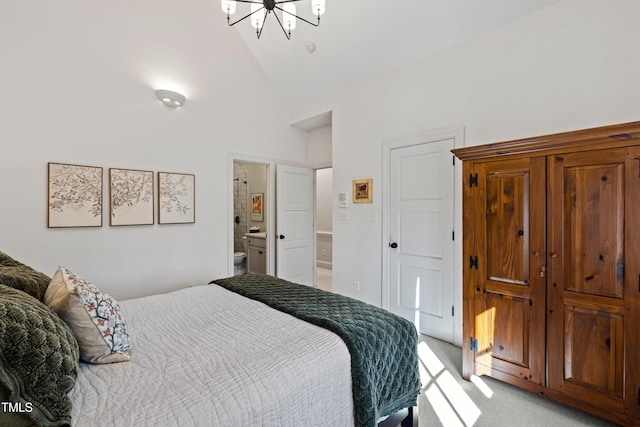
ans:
(251, 197)
(324, 228)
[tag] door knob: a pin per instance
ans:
(393, 245)
(281, 236)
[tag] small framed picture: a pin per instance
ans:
(74, 196)
(257, 206)
(130, 197)
(362, 190)
(176, 198)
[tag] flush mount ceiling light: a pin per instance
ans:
(261, 9)
(170, 98)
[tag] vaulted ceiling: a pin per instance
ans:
(358, 39)
(112, 47)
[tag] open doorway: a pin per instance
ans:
(324, 228)
(251, 196)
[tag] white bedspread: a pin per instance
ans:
(204, 356)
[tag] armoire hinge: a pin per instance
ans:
(473, 262)
(473, 180)
(473, 344)
(639, 397)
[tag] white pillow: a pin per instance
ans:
(93, 316)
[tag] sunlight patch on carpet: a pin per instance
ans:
(429, 358)
(450, 402)
(445, 412)
(482, 386)
(459, 399)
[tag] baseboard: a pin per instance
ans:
(324, 264)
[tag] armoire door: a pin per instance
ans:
(509, 283)
(592, 258)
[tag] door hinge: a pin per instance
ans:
(473, 180)
(453, 162)
(473, 344)
(452, 311)
(453, 234)
(473, 262)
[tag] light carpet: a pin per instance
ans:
(448, 400)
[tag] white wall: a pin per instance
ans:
(319, 148)
(324, 199)
(319, 143)
(324, 217)
(80, 78)
(569, 66)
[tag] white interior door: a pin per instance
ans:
(294, 224)
(421, 258)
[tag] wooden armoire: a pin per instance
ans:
(551, 253)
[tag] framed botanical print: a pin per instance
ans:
(176, 198)
(74, 195)
(362, 190)
(130, 197)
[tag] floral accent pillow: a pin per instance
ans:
(93, 316)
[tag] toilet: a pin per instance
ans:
(239, 263)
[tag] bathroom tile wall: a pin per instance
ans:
(240, 204)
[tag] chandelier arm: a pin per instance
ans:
(302, 19)
(288, 35)
(285, 1)
(249, 1)
(231, 24)
(259, 31)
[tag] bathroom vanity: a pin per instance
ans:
(257, 252)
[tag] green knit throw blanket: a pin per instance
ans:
(383, 346)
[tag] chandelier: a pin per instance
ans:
(261, 9)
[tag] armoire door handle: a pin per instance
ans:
(543, 271)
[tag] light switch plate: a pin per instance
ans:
(343, 199)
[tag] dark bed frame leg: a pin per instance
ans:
(404, 417)
(408, 420)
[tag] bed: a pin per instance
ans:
(242, 351)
